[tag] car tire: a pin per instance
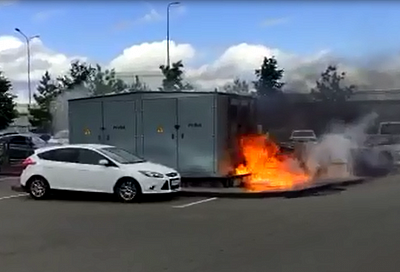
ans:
(128, 191)
(38, 188)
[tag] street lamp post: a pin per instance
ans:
(168, 8)
(28, 52)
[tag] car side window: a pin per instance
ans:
(19, 140)
(87, 156)
(70, 155)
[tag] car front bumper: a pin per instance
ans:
(165, 186)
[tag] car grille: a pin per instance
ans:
(171, 175)
(177, 185)
(165, 186)
(168, 185)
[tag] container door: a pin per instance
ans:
(159, 138)
(86, 122)
(196, 135)
(120, 124)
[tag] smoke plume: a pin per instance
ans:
(337, 145)
(59, 108)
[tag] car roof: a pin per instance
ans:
(303, 130)
(85, 146)
(12, 134)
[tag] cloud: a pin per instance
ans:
(240, 60)
(13, 62)
(179, 10)
(275, 21)
(150, 17)
(46, 15)
(4, 3)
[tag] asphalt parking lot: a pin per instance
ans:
(353, 229)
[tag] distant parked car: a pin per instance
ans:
(306, 135)
(20, 146)
(95, 168)
(61, 137)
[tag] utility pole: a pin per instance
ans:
(168, 9)
(28, 51)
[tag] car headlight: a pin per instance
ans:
(151, 174)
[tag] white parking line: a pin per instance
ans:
(195, 203)
(12, 196)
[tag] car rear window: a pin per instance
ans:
(303, 134)
(70, 155)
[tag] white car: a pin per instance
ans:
(61, 137)
(95, 168)
(305, 135)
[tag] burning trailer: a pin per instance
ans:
(194, 132)
(201, 134)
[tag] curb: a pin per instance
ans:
(229, 193)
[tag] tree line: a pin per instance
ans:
(268, 82)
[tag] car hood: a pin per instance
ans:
(148, 166)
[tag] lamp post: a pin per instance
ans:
(28, 51)
(168, 8)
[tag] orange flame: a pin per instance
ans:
(267, 169)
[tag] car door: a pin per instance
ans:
(58, 167)
(18, 148)
(90, 176)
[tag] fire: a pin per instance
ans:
(267, 168)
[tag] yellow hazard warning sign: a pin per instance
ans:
(160, 129)
(86, 131)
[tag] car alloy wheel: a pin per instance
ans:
(38, 188)
(128, 191)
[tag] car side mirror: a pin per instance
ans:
(103, 162)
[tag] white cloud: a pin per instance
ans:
(46, 15)
(13, 62)
(239, 60)
(275, 21)
(150, 17)
(7, 2)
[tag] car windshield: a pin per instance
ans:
(38, 141)
(390, 129)
(303, 134)
(120, 155)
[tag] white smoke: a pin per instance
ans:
(59, 107)
(336, 147)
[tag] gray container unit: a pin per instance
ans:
(195, 133)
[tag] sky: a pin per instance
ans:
(217, 40)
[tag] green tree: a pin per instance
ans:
(104, 82)
(269, 78)
(238, 86)
(138, 86)
(332, 94)
(331, 88)
(40, 115)
(79, 74)
(8, 110)
(173, 78)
